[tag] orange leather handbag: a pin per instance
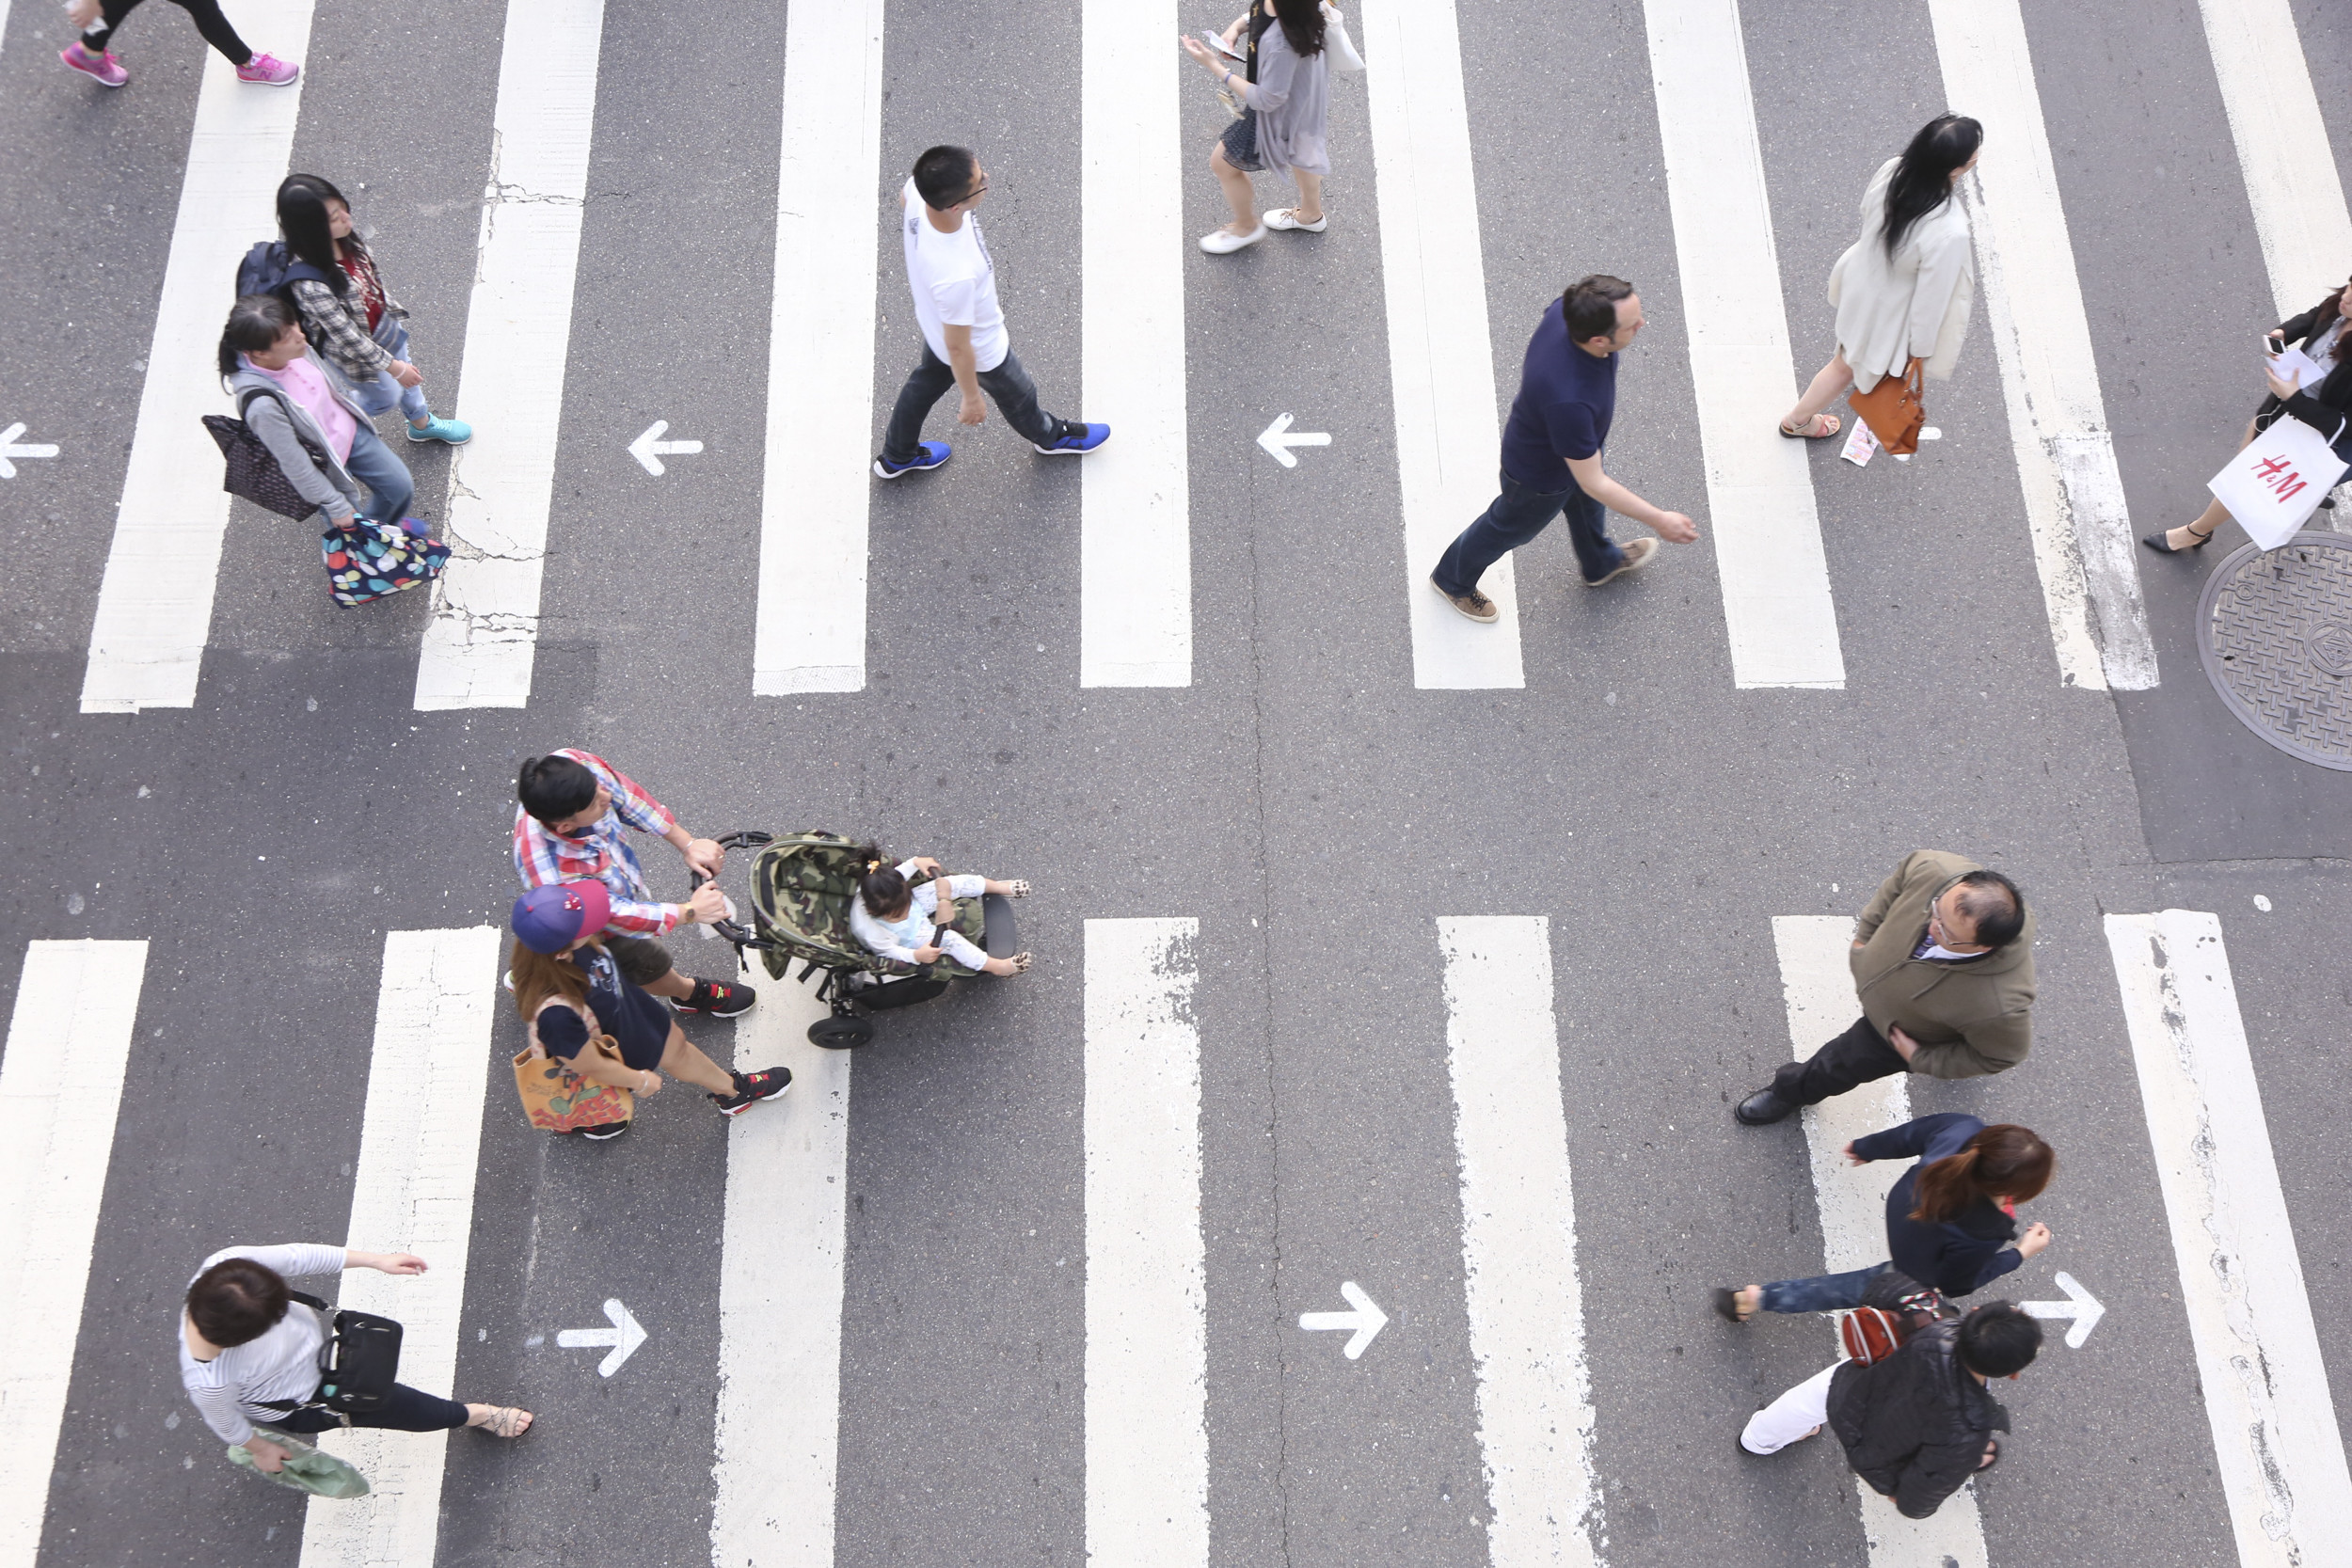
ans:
(1894, 410)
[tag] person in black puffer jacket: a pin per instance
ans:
(1919, 1423)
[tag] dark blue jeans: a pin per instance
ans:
(1518, 515)
(407, 1410)
(1008, 385)
(1828, 1292)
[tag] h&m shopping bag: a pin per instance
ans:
(2276, 484)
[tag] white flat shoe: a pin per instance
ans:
(1287, 217)
(1224, 242)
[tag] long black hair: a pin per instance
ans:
(1302, 25)
(1923, 180)
(302, 200)
(255, 322)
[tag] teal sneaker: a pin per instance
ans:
(456, 433)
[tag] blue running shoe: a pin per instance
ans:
(934, 453)
(1077, 439)
(456, 432)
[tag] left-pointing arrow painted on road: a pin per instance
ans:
(10, 449)
(1278, 441)
(649, 449)
(624, 1335)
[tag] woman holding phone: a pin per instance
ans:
(2323, 405)
(1285, 87)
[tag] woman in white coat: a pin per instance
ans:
(1904, 290)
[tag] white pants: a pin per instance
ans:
(955, 944)
(1791, 1417)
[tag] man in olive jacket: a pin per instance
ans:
(1942, 962)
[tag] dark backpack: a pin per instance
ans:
(270, 265)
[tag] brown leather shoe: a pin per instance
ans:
(1473, 604)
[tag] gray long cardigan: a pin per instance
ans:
(276, 418)
(1292, 98)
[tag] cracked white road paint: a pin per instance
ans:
(1818, 988)
(2033, 300)
(60, 1086)
(1147, 1356)
(2275, 1442)
(155, 601)
(413, 1191)
(484, 631)
(815, 484)
(1770, 561)
(1525, 1299)
(1441, 363)
(1135, 529)
(776, 1452)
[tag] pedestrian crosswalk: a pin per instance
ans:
(1779, 621)
(1522, 1284)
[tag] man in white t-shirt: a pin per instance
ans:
(964, 345)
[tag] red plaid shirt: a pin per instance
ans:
(544, 857)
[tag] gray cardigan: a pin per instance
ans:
(1292, 98)
(284, 425)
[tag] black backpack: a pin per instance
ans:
(270, 265)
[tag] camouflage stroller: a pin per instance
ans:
(801, 891)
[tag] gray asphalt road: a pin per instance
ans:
(1301, 798)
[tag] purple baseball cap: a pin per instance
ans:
(550, 919)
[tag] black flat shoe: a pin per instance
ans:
(2162, 546)
(1761, 1109)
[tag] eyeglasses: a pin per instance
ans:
(978, 191)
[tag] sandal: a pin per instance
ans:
(1021, 962)
(1813, 431)
(1019, 889)
(506, 1421)
(1727, 1304)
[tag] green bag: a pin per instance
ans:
(305, 1469)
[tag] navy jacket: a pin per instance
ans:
(1959, 1255)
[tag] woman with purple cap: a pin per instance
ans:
(568, 988)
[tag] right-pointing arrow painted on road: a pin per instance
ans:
(1365, 1322)
(2084, 1308)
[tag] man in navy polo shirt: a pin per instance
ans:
(1552, 451)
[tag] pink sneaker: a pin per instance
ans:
(103, 69)
(269, 70)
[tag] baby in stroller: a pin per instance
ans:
(910, 923)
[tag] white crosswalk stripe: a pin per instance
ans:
(480, 646)
(2275, 1441)
(2081, 530)
(1819, 989)
(778, 1442)
(816, 482)
(1518, 1243)
(413, 1191)
(1135, 515)
(2282, 149)
(1441, 369)
(60, 1087)
(1147, 1440)
(155, 601)
(1773, 571)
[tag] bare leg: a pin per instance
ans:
(2214, 515)
(1834, 378)
(1238, 192)
(682, 1061)
(1310, 208)
(672, 985)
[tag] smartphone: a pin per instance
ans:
(1216, 42)
(2274, 346)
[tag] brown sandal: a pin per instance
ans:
(1812, 431)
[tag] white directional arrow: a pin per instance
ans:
(649, 449)
(624, 1335)
(1366, 1320)
(2085, 1309)
(10, 449)
(1278, 444)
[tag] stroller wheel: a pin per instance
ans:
(840, 1033)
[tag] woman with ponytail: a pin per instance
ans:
(1904, 290)
(1950, 1220)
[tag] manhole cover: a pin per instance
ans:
(2276, 634)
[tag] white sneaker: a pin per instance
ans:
(1287, 217)
(1224, 242)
